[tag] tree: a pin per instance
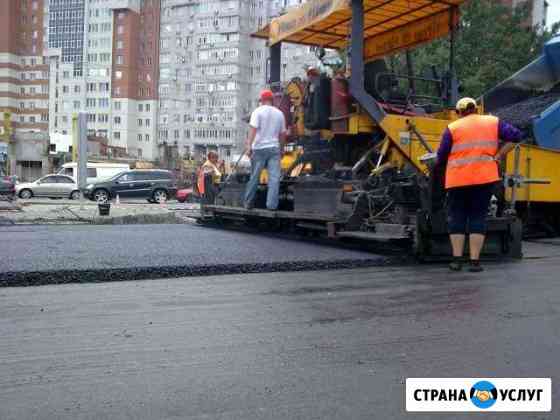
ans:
(492, 43)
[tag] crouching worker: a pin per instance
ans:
(470, 150)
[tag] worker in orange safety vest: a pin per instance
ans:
(470, 150)
(209, 167)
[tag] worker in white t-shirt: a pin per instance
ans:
(267, 135)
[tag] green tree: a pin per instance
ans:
(492, 43)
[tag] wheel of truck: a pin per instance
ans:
(160, 196)
(101, 195)
(75, 195)
(515, 240)
(26, 194)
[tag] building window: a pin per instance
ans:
(118, 75)
(139, 137)
(119, 45)
(147, 107)
(117, 105)
(147, 137)
(117, 135)
(120, 29)
(120, 59)
(147, 122)
(140, 107)
(139, 122)
(117, 120)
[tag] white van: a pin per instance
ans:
(96, 171)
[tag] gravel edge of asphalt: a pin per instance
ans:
(42, 278)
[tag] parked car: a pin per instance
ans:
(96, 172)
(51, 186)
(187, 195)
(7, 186)
(155, 185)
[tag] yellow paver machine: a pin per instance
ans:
(356, 168)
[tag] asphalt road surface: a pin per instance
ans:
(82, 247)
(316, 345)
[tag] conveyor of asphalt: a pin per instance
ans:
(39, 255)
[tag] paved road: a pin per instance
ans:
(64, 201)
(316, 345)
(42, 248)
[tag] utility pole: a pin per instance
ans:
(82, 153)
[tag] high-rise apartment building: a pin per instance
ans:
(23, 73)
(24, 84)
(104, 59)
(114, 59)
(212, 71)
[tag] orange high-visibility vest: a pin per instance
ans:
(475, 144)
(207, 168)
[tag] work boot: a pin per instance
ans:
(475, 266)
(456, 264)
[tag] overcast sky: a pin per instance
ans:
(553, 11)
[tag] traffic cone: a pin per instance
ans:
(117, 201)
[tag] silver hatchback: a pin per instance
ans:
(51, 186)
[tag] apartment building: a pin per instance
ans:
(24, 86)
(104, 59)
(212, 72)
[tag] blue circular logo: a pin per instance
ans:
(484, 394)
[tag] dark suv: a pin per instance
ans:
(7, 187)
(154, 185)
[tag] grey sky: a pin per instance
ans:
(553, 12)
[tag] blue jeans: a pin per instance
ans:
(268, 158)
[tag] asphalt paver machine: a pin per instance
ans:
(357, 166)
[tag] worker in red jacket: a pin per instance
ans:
(470, 149)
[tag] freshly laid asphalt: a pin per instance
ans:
(319, 345)
(36, 255)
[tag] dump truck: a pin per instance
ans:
(357, 166)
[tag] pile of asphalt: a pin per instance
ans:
(40, 278)
(522, 113)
